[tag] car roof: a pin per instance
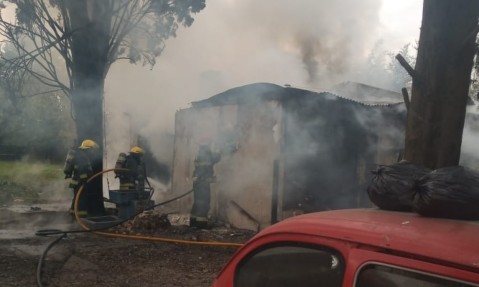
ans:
(448, 240)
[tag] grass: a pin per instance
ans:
(28, 182)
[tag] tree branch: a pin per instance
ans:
(406, 66)
(472, 34)
(405, 95)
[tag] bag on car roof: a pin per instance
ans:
(392, 187)
(449, 192)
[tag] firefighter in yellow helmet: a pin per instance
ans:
(131, 169)
(79, 168)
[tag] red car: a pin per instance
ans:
(358, 247)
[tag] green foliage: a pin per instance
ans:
(28, 182)
(157, 20)
(40, 126)
(25, 13)
(138, 29)
(400, 77)
(383, 70)
(29, 172)
(69, 46)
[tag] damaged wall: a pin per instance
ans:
(245, 137)
(324, 147)
(330, 145)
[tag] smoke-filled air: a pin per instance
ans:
(309, 44)
(195, 142)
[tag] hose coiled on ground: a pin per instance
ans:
(63, 234)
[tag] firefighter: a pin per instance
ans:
(79, 168)
(203, 176)
(133, 175)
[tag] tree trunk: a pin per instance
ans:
(440, 90)
(89, 53)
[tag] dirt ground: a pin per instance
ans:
(86, 259)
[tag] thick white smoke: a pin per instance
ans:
(305, 43)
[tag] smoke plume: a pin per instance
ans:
(308, 43)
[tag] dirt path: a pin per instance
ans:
(85, 259)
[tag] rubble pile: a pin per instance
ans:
(157, 224)
(144, 223)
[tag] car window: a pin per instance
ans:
(375, 275)
(291, 266)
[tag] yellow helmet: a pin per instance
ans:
(137, 150)
(86, 144)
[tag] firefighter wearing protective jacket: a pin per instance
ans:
(203, 176)
(78, 167)
(131, 170)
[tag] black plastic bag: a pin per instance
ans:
(449, 192)
(392, 187)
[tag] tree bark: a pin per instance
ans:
(440, 91)
(90, 44)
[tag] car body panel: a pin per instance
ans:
(407, 240)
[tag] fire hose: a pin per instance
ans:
(98, 231)
(163, 239)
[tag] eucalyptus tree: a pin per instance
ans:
(441, 81)
(70, 45)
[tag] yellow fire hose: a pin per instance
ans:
(152, 238)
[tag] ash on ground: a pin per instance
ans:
(157, 224)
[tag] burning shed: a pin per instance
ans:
(285, 150)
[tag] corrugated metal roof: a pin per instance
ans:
(367, 94)
(259, 92)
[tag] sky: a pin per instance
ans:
(310, 44)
